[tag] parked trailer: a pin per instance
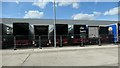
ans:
(105, 37)
(51, 36)
(70, 34)
(41, 35)
(80, 34)
(23, 34)
(93, 34)
(7, 37)
(61, 34)
(114, 29)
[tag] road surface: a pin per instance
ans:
(76, 56)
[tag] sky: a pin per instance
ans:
(64, 10)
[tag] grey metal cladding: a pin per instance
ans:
(58, 21)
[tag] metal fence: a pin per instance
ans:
(40, 41)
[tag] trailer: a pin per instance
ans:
(51, 36)
(61, 34)
(93, 34)
(104, 35)
(41, 35)
(70, 34)
(7, 37)
(23, 34)
(114, 29)
(80, 34)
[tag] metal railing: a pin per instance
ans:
(40, 41)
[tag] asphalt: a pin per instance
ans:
(106, 55)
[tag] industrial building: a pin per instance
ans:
(58, 21)
(69, 24)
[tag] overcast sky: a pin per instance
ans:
(64, 10)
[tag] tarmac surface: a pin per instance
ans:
(106, 55)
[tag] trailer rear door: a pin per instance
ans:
(93, 32)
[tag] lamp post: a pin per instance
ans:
(54, 24)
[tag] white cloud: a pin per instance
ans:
(41, 3)
(64, 3)
(17, 2)
(81, 16)
(113, 11)
(75, 5)
(97, 13)
(33, 14)
(25, 11)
